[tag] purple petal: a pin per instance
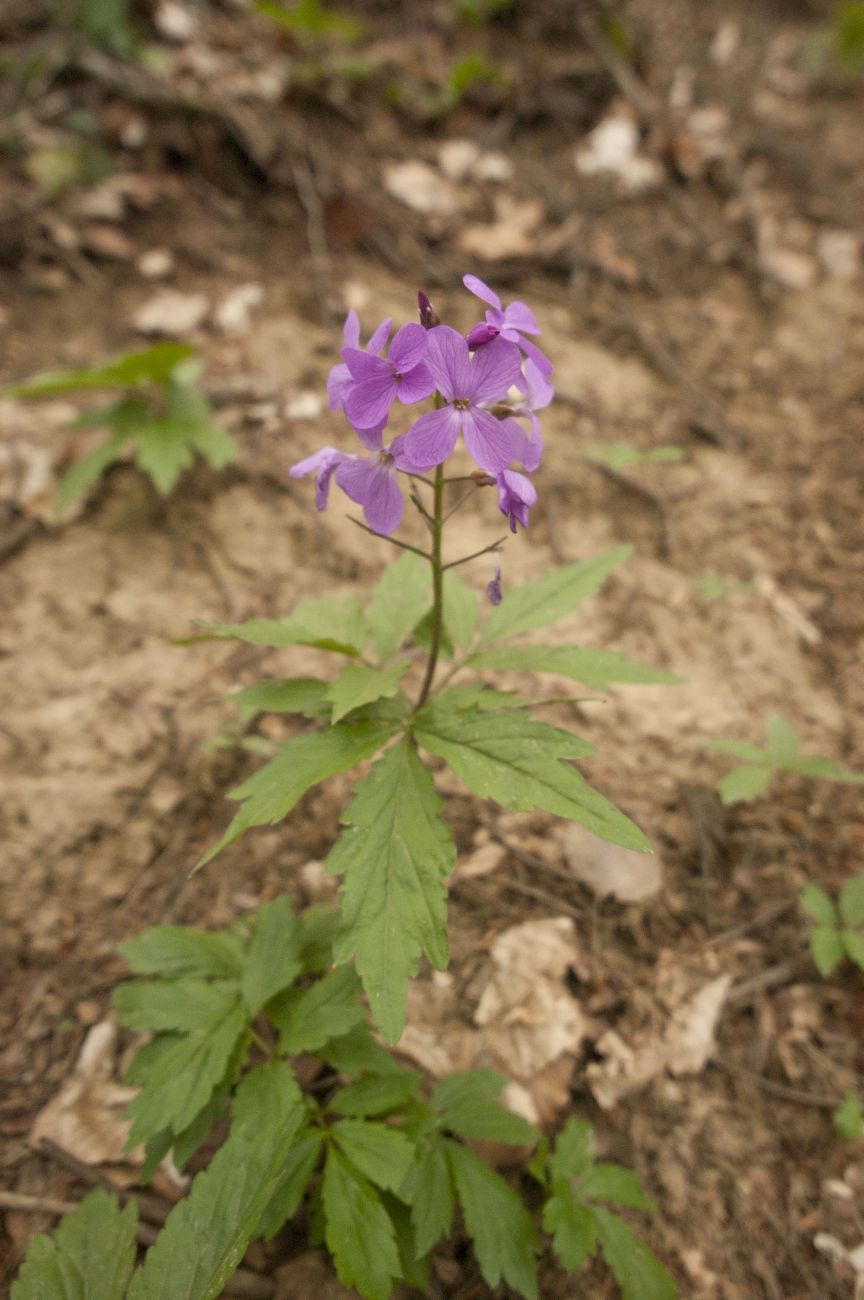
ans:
(495, 368)
(541, 361)
(449, 362)
(371, 438)
(415, 384)
(379, 337)
(488, 440)
(481, 291)
(362, 365)
(481, 334)
(368, 404)
(516, 495)
(408, 348)
(372, 484)
(538, 391)
(520, 315)
(322, 463)
(351, 330)
(431, 440)
(527, 450)
(339, 383)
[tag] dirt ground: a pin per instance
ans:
(711, 300)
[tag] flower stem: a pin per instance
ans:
(403, 546)
(437, 587)
(493, 546)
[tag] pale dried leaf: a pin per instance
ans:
(171, 312)
(610, 871)
(422, 188)
(511, 234)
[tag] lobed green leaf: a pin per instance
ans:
(375, 1094)
(90, 1257)
(176, 950)
(596, 668)
(173, 1006)
(274, 959)
(636, 1269)
(429, 1189)
(136, 369)
(329, 623)
(608, 1182)
(400, 599)
(359, 684)
(359, 1232)
(505, 1237)
(307, 1019)
(571, 1226)
(306, 696)
(574, 1150)
(297, 1174)
(382, 1154)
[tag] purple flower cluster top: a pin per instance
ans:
(487, 387)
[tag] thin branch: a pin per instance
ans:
(487, 550)
(403, 546)
(465, 496)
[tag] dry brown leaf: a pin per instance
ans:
(610, 871)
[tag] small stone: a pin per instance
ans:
(171, 312)
(156, 263)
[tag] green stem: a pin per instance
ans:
(493, 546)
(437, 587)
(403, 546)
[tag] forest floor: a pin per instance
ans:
(709, 297)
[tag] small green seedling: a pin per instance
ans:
(713, 586)
(160, 412)
(309, 19)
(848, 1119)
(782, 753)
(622, 455)
(839, 930)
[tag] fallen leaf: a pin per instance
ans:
(613, 148)
(511, 234)
(232, 314)
(171, 312)
(422, 188)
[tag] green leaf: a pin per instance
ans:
(490, 1123)
(88, 469)
(635, 1268)
(358, 684)
(395, 854)
(571, 1226)
(596, 668)
(465, 1087)
(399, 601)
(415, 1269)
(329, 623)
(382, 1154)
(176, 950)
(848, 1120)
(505, 1237)
(429, 1189)
(474, 695)
(356, 1051)
(574, 1150)
(461, 610)
(375, 1094)
(303, 695)
(299, 1168)
(309, 1018)
(517, 762)
(359, 1232)
(744, 783)
(179, 1006)
(606, 1182)
(781, 739)
(135, 370)
(738, 749)
(619, 455)
(186, 1075)
(853, 942)
(164, 451)
(271, 793)
(823, 769)
(190, 411)
(274, 954)
(318, 925)
(551, 597)
(815, 901)
(89, 1257)
(827, 948)
(205, 1236)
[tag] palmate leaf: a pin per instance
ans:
(551, 597)
(359, 1232)
(359, 684)
(329, 623)
(299, 1168)
(517, 762)
(429, 1187)
(189, 410)
(395, 854)
(595, 668)
(505, 1237)
(608, 1182)
(382, 1154)
(274, 959)
(306, 696)
(571, 1226)
(271, 793)
(205, 1236)
(89, 1257)
(173, 1006)
(375, 1094)
(636, 1269)
(176, 950)
(308, 1018)
(136, 369)
(400, 600)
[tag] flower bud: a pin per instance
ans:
(493, 588)
(429, 317)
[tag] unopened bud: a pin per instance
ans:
(482, 479)
(429, 317)
(493, 588)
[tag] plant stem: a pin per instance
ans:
(403, 546)
(493, 546)
(437, 587)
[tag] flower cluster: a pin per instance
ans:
(487, 386)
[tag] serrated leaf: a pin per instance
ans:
(359, 1232)
(517, 762)
(176, 950)
(88, 469)
(164, 451)
(172, 1006)
(551, 597)
(89, 1257)
(490, 1123)
(505, 1237)
(595, 668)
(382, 1154)
(185, 1076)
(399, 601)
(574, 1150)
(184, 1145)
(303, 695)
(415, 1269)
(607, 1182)
(147, 1057)
(329, 623)
(467, 1086)
(744, 783)
(374, 1094)
(274, 954)
(853, 942)
(309, 1018)
(429, 1190)
(571, 1226)
(152, 366)
(781, 738)
(461, 610)
(356, 1051)
(299, 1168)
(205, 1236)
(636, 1269)
(271, 793)
(827, 948)
(848, 1120)
(358, 684)
(395, 854)
(815, 901)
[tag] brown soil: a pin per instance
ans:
(666, 324)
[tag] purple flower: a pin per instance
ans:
(376, 382)
(493, 588)
(368, 480)
(339, 381)
(511, 323)
(538, 393)
(516, 496)
(466, 384)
